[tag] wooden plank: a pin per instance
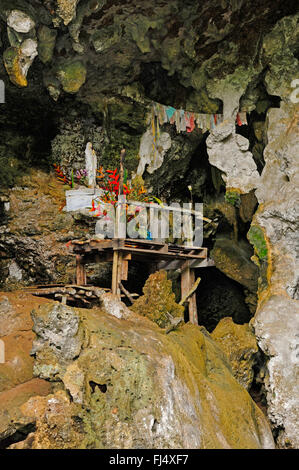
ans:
(132, 250)
(185, 281)
(143, 241)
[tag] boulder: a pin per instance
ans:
(17, 383)
(233, 259)
(158, 302)
(133, 386)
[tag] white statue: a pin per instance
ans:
(91, 165)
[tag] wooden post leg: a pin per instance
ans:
(119, 273)
(80, 271)
(153, 268)
(114, 285)
(187, 281)
(192, 301)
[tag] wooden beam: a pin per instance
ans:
(192, 301)
(126, 292)
(191, 292)
(187, 281)
(162, 254)
(80, 270)
(114, 284)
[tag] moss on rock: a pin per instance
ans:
(158, 302)
(46, 43)
(72, 75)
(240, 345)
(233, 197)
(11, 58)
(257, 238)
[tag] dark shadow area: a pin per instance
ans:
(219, 296)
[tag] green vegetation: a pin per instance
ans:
(257, 239)
(233, 198)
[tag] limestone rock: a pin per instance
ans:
(276, 224)
(158, 302)
(135, 387)
(239, 169)
(152, 153)
(72, 76)
(46, 43)
(276, 322)
(18, 365)
(17, 383)
(113, 306)
(11, 417)
(276, 326)
(240, 345)
(9, 320)
(59, 339)
(66, 9)
(233, 259)
(18, 60)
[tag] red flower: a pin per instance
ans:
(92, 207)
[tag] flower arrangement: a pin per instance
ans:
(109, 182)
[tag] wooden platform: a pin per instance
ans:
(87, 295)
(159, 255)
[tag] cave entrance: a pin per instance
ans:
(217, 297)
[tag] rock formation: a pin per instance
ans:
(123, 383)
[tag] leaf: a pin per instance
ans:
(158, 201)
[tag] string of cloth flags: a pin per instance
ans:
(186, 121)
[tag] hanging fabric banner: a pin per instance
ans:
(186, 121)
